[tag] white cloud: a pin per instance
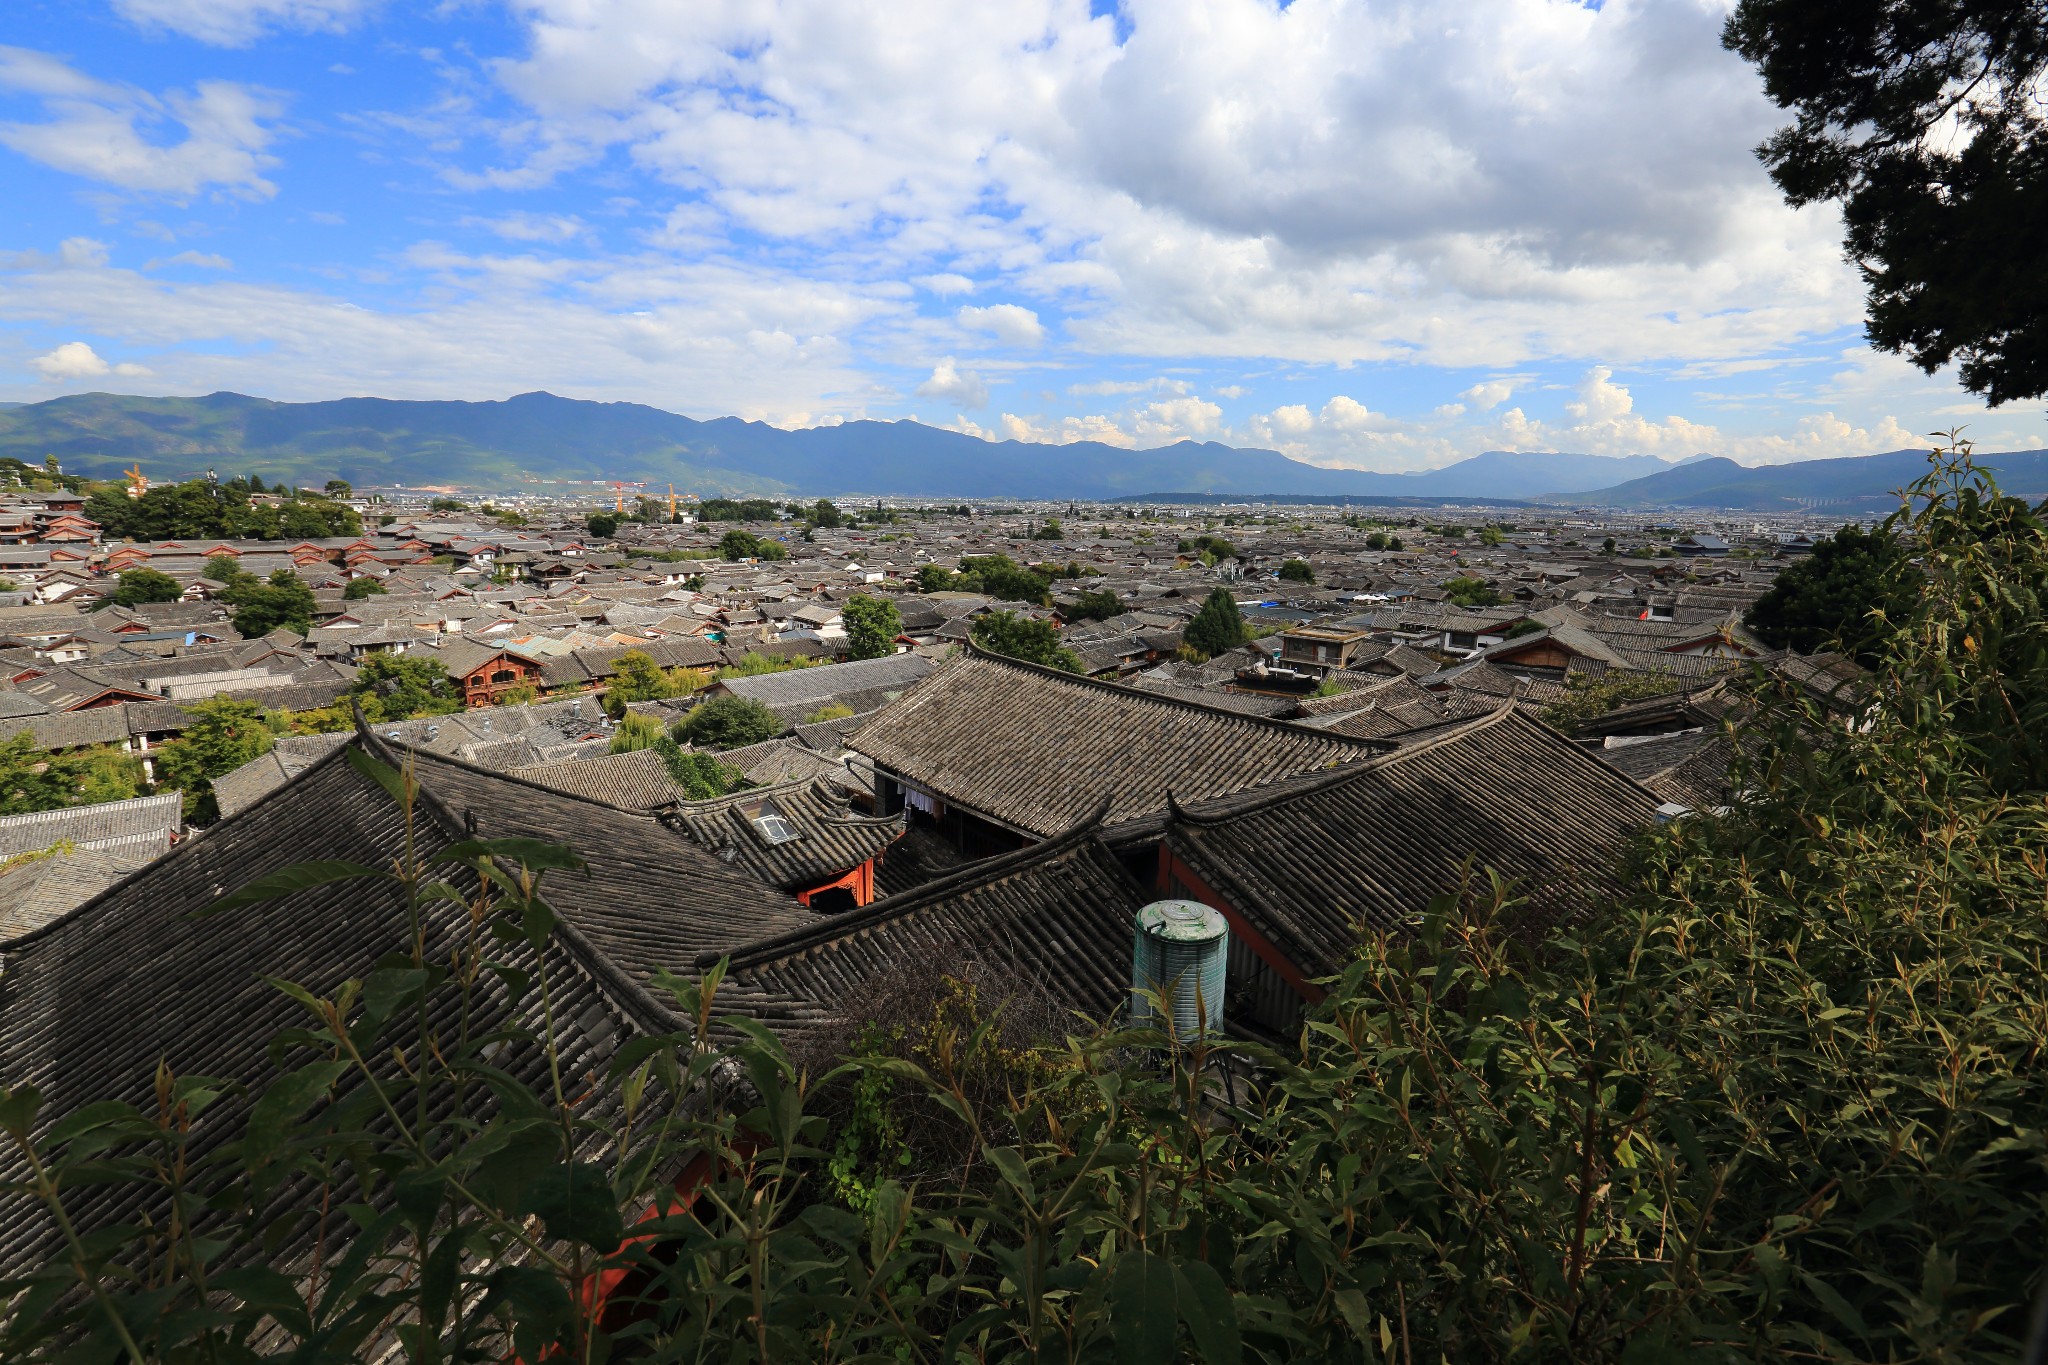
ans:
(951, 384)
(1488, 394)
(97, 131)
(235, 23)
(198, 260)
(945, 285)
(1322, 181)
(703, 338)
(521, 226)
(75, 360)
(1008, 322)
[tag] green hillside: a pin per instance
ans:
(368, 441)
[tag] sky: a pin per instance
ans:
(1382, 234)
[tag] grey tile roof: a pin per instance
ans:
(84, 826)
(1037, 749)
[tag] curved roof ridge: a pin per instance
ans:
(1160, 698)
(1222, 808)
(890, 907)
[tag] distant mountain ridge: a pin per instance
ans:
(1862, 483)
(502, 445)
(539, 435)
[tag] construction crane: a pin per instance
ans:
(137, 483)
(619, 487)
(671, 504)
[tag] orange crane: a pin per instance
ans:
(619, 487)
(671, 504)
(137, 483)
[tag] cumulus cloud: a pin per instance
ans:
(945, 284)
(235, 23)
(1319, 182)
(951, 384)
(198, 260)
(76, 360)
(1488, 394)
(105, 132)
(1010, 323)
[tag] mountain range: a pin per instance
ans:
(537, 438)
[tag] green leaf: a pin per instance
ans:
(1209, 1311)
(510, 1158)
(291, 880)
(1831, 1299)
(1143, 1294)
(577, 1204)
(383, 774)
(288, 1097)
(18, 1108)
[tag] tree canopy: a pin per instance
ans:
(729, 722)
(224, 734)
(191, 510)
(737, 545)
(280, 602)
(359, 588)
(1297, 571)
(1467, 591)
(1827, 599)
(140, 586)
(394, 686)
(603, 525)
(1218, 627)
(1024, 637)
(1923, 120)
(1099, 605)
(872, 625)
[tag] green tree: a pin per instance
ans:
(701, 776)
(636, 731)
(729, 722)
(872, 625)
(602, 525)
(340, 488)
(446, 505)
(221, 568)
(637, 677)
(1218, 627)
(1024, 637)
(1492, 535)
(224, 734)
(1004, 579)
(141, 586)
(1049, 531)
(393, 686)
(29, 780)
(280, 602)
(736, 545)
(824, 513)
(359, 588)
(933, 578)
(1468, 591)
(1099, 605)
(1923, 120)
(1297, 571)
(1850, 593)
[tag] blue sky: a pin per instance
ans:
(1378, 233)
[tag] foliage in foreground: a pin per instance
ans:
(1786, 1100)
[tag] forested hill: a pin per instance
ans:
(500, 445)
(382, 441)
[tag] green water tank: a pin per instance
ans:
(1181, 952)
